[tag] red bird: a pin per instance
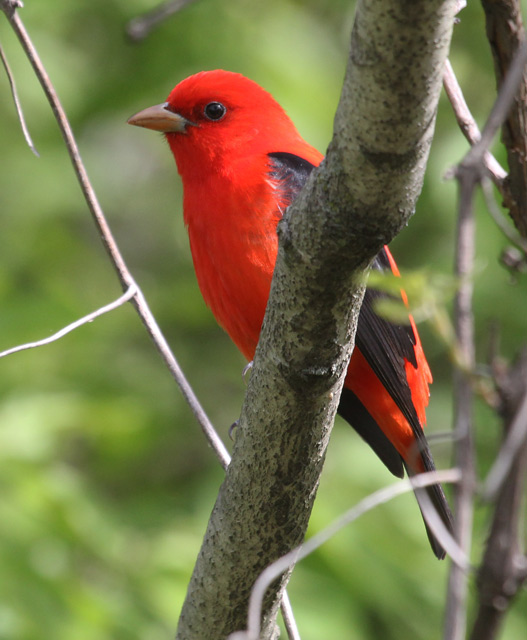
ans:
(242, 162)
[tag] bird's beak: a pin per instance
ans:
(160, 118)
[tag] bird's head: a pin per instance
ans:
(217, 114)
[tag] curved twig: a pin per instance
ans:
(123, 273)
(512, 235)
(18, 106)
(274, 570)
(468, 125)
(139, 28)
(128, 295)
(469, 173)
(507, 454)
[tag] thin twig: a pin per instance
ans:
(468, 125)
(188, 393)
(505, 227)
(436, 525)
(140, 27)
(124, 275)
(107, 238)
(71, 145)
(502, 571)
(288, 617)
(274, 570)
(501, 106)
(469, 174)
(504, 26)
(18, 105)
(130, 293)
(455, 623)
(507, 454)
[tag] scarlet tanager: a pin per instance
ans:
(242, 162)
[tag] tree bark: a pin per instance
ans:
(505, 32)
(503, 570)
(361, 196)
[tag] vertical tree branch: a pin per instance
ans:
(468, 125)
(469, 173)
(18, 106)
(363, 193)
(504, 566)
(140, 27)
(464, 452)
(505, 32)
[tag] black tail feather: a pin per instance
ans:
(352, 410)
(438, 501)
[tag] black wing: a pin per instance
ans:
(385, 345)
(290, 172)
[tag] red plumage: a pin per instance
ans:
(242, 162)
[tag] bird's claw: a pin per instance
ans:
(231, 429)
(246, 369)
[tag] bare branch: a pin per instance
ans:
(71, 144)
(504, 225)
(188, 393)
(140, 27)
(469, 174)
(507, 93)
(128, 295)
(123, 273)
(504, 567)
(511, 448)
(10, 6)
(287, 616)
(455, 623)
(18, 106)
(506, 35)
(468, 125)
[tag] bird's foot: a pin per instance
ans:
(246, 369)
(233, 426)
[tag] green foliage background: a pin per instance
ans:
(106, 482)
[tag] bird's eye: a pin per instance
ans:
(215, 111)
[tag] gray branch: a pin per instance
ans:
(364, 192)
(504, 568)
